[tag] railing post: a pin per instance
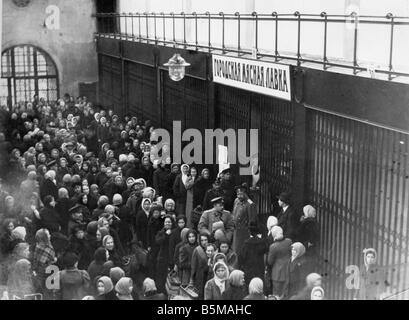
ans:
(297, 14)
(325, 60)
(208, 14)
(184, 29)
(392, 18)
(147, 27)
(173, 19)
(274, 14)
(126, 27)
(254, 14)
(355, 16)
(154, 27)
(196, 41)
(139, 24)
(164, 28)
(133, 35)
(237, 14)
(223, 47)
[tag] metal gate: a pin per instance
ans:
(274, 118)
(140, 82)
(185, 100)
(276, 149)
(358, 181)
(110, 86)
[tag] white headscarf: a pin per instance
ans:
(309, 211)
(271, 222)
(142, 203)
(185, 177)
(221, 283)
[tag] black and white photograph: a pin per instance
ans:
(220, 151)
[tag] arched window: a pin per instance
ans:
(27, 71)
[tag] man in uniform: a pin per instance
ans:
(244, 213)
(217, 222)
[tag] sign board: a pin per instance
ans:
(222, 157)
(263, 77)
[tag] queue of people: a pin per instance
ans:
(81, 191)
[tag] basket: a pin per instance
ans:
(174, 278)
(189, 291)
(171, 290)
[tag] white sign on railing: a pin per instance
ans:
(268, 78)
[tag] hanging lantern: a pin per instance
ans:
(176, 66)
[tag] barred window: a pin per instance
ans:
(27, 71)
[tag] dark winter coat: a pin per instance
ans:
(251, 258)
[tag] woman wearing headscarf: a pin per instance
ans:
(170, 180)
(163, 263)
(278, 255)
(43, 256)
(124, 288)
(184, 253)
(105, 289)
(125, 222)
(237, 289)
(175, 238)
(311, 281)
(200, 266)
(11, 209)
(113, 254)
(297, 270)
(170, 206)
(150, 291)
(373, 282)
(215, 287)
(202, 184)
(142, 221)
(308, 232)
(190, 184)
(231, 256)
(317, 293)
(6, 240)
(272, 221)
(20, 281)
(49, 186)
(256, 290)
(180, 185)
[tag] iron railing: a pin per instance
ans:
(136, 27)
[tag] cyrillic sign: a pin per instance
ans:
(258, 76)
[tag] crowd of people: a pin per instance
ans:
(88, 212)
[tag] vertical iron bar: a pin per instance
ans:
(139, 23)
(254, 14)
(355, 41)
(223, 47)
(133, 35)
(154, 27)
(390, 16)
(164, 28)
(276, 40)
(174, 39)
(196, 41)
(297, 14)
(184, 29)
(238, 31)
(126, 27)
(324, 14)
(208, 13)
(147, 27)
(114, 17)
